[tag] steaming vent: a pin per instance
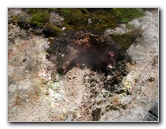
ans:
(98, 52)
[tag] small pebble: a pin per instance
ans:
(47, 93)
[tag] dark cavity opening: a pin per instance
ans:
(89, 60)
(95, 51)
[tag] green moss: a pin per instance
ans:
(126, 39)
(36, 10)
(40, 18)
(52, 30)
(84, 10)
(72, 16)
(126, 14)
(103, 21)
(77, 19)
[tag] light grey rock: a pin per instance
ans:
(89, 21)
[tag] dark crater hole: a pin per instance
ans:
(97, 52)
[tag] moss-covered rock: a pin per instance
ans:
(74, 18)
(77, 18)
(126, 14)
(40, 18)
(36, 10)
(126, 39)
(52, 30)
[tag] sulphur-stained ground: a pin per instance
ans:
(79, 95)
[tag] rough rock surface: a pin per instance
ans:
(27, 71)
(143, 77)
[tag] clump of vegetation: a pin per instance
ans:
(52, 30)
(127, 14)
(36, 10)
(74, 18)
(40, 18)
(126, 39)
(77, 19)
